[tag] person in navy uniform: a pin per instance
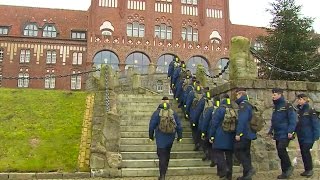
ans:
(244, 134)
(307, 132)
(164, 141)
(173, 64)
(283, 124)
(222, 141)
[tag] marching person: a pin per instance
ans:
(165, 124)
(283, 124)
(307, 132)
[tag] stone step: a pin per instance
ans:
(146, 134)
(132, 96)
(145, 141)
(129, 110)
(152, 147)
(153, 155)
(143, 117)
(153, 163)
(144, 122)
(142, 129)
(172, 171)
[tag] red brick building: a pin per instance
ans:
(41, 42)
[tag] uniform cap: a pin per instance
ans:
(165, 98)
(240, 89)
(302, 95)
(277, 90)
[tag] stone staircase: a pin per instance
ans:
(139, 155)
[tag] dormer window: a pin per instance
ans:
(78, 35)
(4, 30)
(49, 31)
(30, 30)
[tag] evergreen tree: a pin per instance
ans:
(291, 43)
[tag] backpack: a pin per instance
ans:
(167, 122)
(257, 122)
(230, 119)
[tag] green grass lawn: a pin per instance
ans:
(40, 130)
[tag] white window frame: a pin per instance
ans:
(31, 30)
(4, 30)
(25, 56)
(159, 86)
(51, 57)
(75, 82)
(191, 2)
(49, 31)
(190, 34)
(163, 31)
(135, 29)
(23, 81)
(1, 55)
(50, 81)
(77, 58)
(78, 35)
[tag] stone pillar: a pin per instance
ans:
(130, 72)
(102, 80)
(116, 78)
(136, 81)
(152, 68)
(201, 75)
(110, 74)
(241, 65)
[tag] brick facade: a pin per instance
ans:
(209, 17)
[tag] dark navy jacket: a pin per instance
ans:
(308, 125)
(176, 75)
(186, 92)
(163, 140)
(206, 117)
(222, 140)
(197, 110)
(244, 118)
(189, 100)
(284, 119)
(179, 89)
(171, 68)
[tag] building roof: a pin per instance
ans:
(16, 17)
(250, 32)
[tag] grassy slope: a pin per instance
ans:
(40, 130)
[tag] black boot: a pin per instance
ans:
(249, 175)
(162, 177)
(307, 173)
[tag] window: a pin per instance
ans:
(106, 57)
(164, 0)
(159, 86)
(193, 63)
(75, 81)
(78, 35)
(4, 30)
(77, 58)
(23, 80)
(25, 56)
(190, 34)
(258, 46)
(193, 2)
(139, 61)
(135, 29)
(30, 30)
(1, 55)
(49, 31)
(163, 63)
(50, 81)
(51, 57)
(107, 28)
(163, 31)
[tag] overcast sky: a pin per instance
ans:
(246, 12)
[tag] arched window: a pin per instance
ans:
(139, 61)
(163, 63)
(49, 31)
(106, 57)
(30, 30)
(163, 31)
(222, 63)
(190, 34)
(107, 28)
(193, 63)
(135, 29)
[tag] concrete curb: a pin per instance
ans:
(26, 176)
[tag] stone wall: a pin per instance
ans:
(263, 149)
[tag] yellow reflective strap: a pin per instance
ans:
(241, 134)
(194, 83)
(228, 101)
(193, 125)
(248, 97)
(183, 65)
(212, 138)
(218, 103)
(198, 88)
(208, 95)
(165, 105)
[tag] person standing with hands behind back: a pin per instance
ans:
(283, 124)
(307, 132)
(165, 124)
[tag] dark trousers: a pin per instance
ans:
(164, 157)
(242, 152)
(207, 148)
(281, 146)
(196, 135)
(306, 155)
(224, 162)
